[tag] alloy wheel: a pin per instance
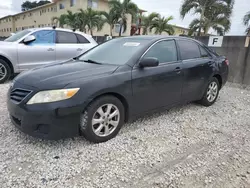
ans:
(3, 71)
(212, 91)
(105, 120)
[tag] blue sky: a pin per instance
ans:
(164, 7)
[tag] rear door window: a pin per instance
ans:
(189, 50)
(204, 53)
(81, 39)
(64, 37)
(164, 51)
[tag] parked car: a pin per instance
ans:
(31, 48)
(97, 92)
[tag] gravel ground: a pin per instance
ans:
(188, 146)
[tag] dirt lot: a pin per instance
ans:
(188, 146)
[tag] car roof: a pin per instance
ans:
(57, 29)
(156, 37)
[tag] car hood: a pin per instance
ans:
(4, 43)
(59, 74)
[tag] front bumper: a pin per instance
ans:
(46, 121)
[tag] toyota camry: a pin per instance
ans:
(97, 92)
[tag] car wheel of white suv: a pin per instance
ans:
(5, 71)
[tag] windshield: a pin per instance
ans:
(17, 36)
(116, 51)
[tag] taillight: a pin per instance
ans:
(227, 62)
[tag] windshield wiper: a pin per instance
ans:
(92, 61)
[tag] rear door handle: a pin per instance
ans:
(177, 70)
(51, 50)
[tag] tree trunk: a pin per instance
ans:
(91, 32)
(199, 31)
(120, 31)
(111, 28)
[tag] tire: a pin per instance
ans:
(5, 71)
(88, 127)
(206, 101)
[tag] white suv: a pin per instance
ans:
(31, 48)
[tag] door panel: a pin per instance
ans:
(196, 74)
(39, 52)
(66, 45)
(156, 87)
(197, 68)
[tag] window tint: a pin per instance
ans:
(44, 37)
(204, 53)
(66, 37)
(164, 51)
(189, 50)
(82, 39)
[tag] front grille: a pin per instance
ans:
(18, 95)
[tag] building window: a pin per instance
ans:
(48, 10)
(10, 29)
(61, 6)
(7, 29)
(72, 3)
(9, 19)
(92, 4)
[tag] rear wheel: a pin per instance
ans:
(211, 93)
(102, 119)
(5, 71)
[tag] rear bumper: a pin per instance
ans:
(46, 123)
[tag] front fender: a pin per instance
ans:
(11, 55)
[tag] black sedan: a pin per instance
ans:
(96, 93)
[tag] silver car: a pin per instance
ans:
(31, 48)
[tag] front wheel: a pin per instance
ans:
(5, 71)
(102, 119)
(211, 93)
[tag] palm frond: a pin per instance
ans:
(246, 19)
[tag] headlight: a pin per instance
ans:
(53, 95)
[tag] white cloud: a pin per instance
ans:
(166, 8)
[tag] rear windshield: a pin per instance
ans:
(17, 36)
(116, 51)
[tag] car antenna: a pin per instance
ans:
(73, 30)
(54, 27)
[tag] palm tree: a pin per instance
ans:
(246, 22)
(91, 19)
(206, 9)
(147, 21)
(110, 18)
(123, 8)
(61, 20)
(219, 22)
(161, 25)
(71, 19)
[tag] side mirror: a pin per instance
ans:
(149, 62)
(29, 39)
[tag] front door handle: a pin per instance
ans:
(51, 50)
(79, 49)
(177, 70)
